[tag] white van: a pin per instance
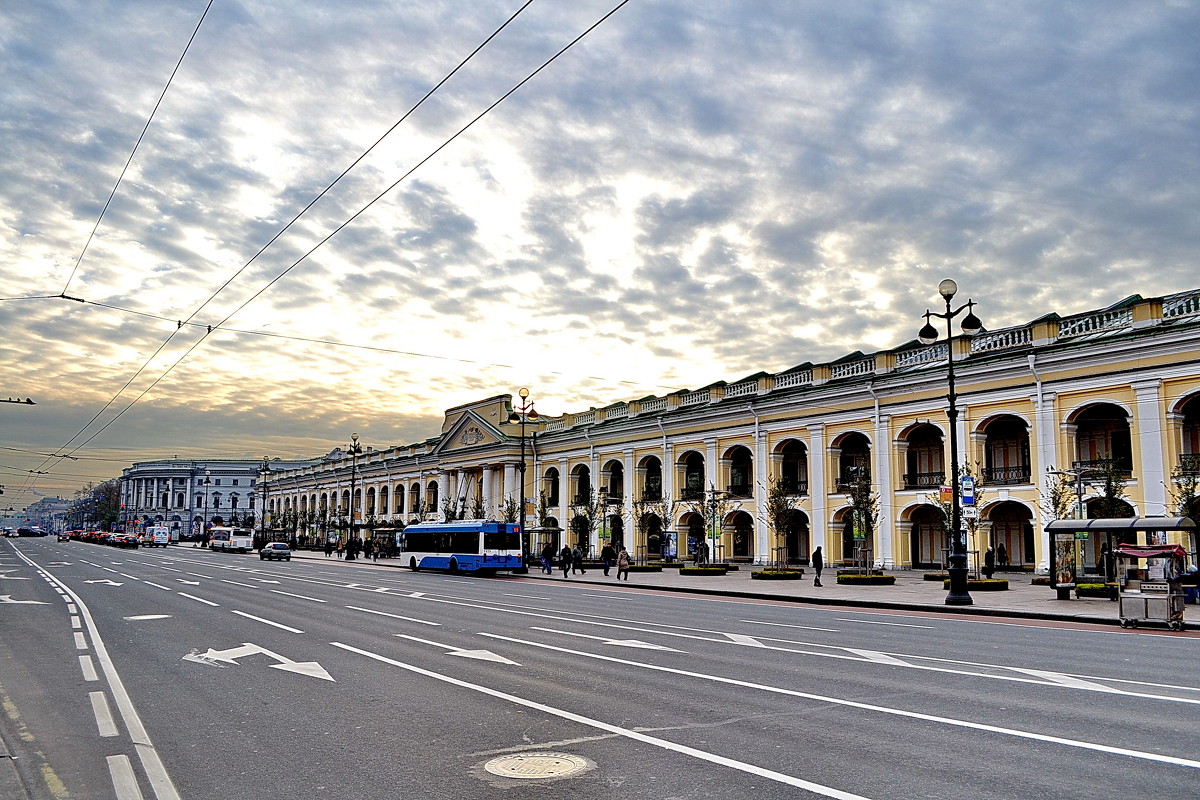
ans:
(156, 537)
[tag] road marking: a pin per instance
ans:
(482, 655)
(141, 617)
(89, 669)
(879, 658)
(237, 583)
(230, 656)
(713, 758)
(197, 599)
(618, 642)
(265, 621)
(527, 597)
(107, 581)
(76, 623)
(131, 577)
(740, 638)
(103, 714)
(874, 622)
(108, 569)
(172, 569)
(393, 616)
(189, 583)
(301, 596)
(783, 625)
(158, 586)
(198, 575)
(7, 598)
(123, 779)
(1067, 680)
(80, 642)
(898, 712)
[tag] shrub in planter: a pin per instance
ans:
(705, 571)
(675, 564)
(935, 576)
(982, 585)
(1107, 591)
(777, 574)
(644, 568)
(1041, 580)
(858, 579)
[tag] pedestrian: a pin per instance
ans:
(369, 549)
(565, 557)
(548, 558)
(608, 555)
(339, 547)
(328, 547)
(577, 560)
(989, 563)
(818, 564)
(1105, 561)
(623, 564)
(1002, 555)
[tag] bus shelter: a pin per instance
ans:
(1083, 550)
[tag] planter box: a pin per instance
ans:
(856, 579)
(1043, 580)
(935, 576)
(777, 575)
(1105, 591)
(702, 571)
(643, 568)
(982, 585)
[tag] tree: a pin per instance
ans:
(587, 509)
(1185, 489)
(972, 525)
(543, 510)
(864, 509)
(781, 505)
(512, 509)
(1112, 503)
(450, 509)
(1058, 495)
(99, 504)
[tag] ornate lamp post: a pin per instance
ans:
(523, 413)
(355, 452)
(958, 595)
(264, 472)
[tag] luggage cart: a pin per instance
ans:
(1151, 586)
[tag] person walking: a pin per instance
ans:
(548, 559)
(818, 564)
(623, 564)
(609, 556)
(989, 563)
(368, 549)
(1002, 555)
(565, 556)
(577, 560)
(328, 547)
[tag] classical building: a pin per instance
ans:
(182, 494)
(765, 465)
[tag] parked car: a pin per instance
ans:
(275, 550)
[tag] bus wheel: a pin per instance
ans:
(412, 563)
(454, 565)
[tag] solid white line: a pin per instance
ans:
(123, 779)
(103, 714)
(198, 599)
(393, 616)
(301, 596)
(89, 669)
(265, 621)
(158, 586)
(961, 723)
(873, 622)
(712, 758)
(783, 625)
(80, 642)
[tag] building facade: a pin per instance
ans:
(1111, 395)
(186, 494)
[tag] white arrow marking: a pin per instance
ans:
(606, 640)
(749, 641)
(878, 658)
(7, 598)
(230, 656)
(7, 577)
(149, 616)
(1066, 680)
(482, 655)
(105, 580)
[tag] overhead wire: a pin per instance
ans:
(337, 229)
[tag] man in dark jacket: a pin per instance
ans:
(818, 564)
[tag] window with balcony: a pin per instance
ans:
(924, 460)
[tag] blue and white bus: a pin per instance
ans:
(461, 546)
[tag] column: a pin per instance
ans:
(882, 470)
(1151, 472)
(489, 503)
(761, 487)
(817, 490)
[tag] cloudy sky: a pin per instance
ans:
(692, 192)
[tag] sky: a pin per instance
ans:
(692, 192)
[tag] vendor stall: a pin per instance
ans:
(1151, 585)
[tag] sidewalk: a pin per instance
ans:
(910, 592)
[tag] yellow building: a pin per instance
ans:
(762, 468)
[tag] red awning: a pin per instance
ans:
(1151, 551)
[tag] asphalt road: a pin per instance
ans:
(187, 674)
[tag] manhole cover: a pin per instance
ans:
(536, 765)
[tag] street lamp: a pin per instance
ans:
(264, 472)
(958, 595)
(715, 498)
(204, 511)
(355, 452)
(522, 414)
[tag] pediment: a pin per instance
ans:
(469, 432)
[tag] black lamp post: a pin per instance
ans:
(355, 452)
(958, 595)
(264, 472)
(204, 511)
(522, 414)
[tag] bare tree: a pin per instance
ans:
(781, 505)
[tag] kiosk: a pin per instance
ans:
(1151, 584)
(1083, 550)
